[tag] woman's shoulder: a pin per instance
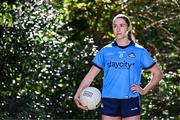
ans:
(138, 46)
(107, 46)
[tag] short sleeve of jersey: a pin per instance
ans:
(98, 60)
(146, 60)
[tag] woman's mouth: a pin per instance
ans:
(118, 33)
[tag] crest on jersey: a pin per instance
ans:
(132, 55)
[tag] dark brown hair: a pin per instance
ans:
(123, 17)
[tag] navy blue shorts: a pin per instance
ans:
(120, 107)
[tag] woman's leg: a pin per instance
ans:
(130, 109)
(105, 117)
(137, 117)
(110, 109)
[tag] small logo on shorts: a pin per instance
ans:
(134, 108)
(102, 105)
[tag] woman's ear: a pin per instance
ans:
(129, 28)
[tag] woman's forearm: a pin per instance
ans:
(157, 76)
(88, 78)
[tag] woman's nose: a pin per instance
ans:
(118, 29)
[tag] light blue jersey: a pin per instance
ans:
(122, 67)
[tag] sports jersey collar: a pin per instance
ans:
(130, 44)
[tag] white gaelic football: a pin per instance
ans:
(90, 97)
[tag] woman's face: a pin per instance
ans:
(120, 28)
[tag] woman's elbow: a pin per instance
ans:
(160, 75)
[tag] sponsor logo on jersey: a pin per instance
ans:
(120, 65)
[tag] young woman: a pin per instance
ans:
(122, 62)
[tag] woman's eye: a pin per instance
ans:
(122, 25)
(114, 26)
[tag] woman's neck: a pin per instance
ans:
(123, 41)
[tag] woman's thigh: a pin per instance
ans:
(105, 117)
(137, 117)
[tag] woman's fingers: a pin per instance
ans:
(136, 88)
(79, 105)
